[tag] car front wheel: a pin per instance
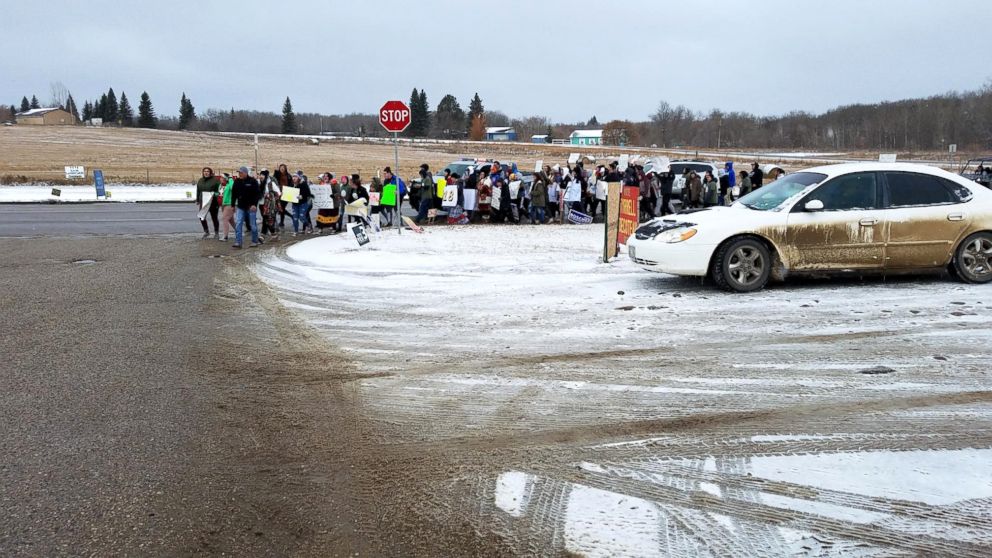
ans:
(742, 265)
(973, 258)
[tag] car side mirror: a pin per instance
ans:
(813, 205)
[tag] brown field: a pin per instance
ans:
(38, 154)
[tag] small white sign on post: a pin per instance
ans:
(952, 148)
(72, 172)
(887, 158)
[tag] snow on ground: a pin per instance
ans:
(655, 414)
(117, 193)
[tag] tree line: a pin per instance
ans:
(931, 123)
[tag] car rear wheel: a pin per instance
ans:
(973, 258)
(742, 265)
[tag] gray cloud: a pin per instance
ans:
(567, 60)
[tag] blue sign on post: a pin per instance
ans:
(101, 191)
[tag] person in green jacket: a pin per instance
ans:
(208, 184)
(711, 190)
(226, 188)
(745, 184)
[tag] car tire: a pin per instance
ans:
(741, 265)
(973, 259)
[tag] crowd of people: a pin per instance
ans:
(248, 202)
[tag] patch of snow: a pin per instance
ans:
(834, 511)
(513, 491)
(599, 523)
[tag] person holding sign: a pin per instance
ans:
(245, 195)
(389, 200)
(538, 198)
(206, 199)
(227, 206)
(301, 206)
(426, 194)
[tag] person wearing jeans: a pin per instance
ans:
(245, 195)
(426, 193)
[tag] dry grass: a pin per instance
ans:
(35, 154)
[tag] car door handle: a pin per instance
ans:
(868, 222)
(955, 217)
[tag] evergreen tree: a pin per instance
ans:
(449, 116)
(126, 113)
(112, 112)
(425, 113)
(187, 114)
(70, 107)
(414, 104)
(475, 109)
(146, 114)
(551, 133)
(34, 102)
(593, 121)
(100, 110)
(87, 111)
(25, 104)
(288, 118)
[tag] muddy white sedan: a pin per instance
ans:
(853, 218)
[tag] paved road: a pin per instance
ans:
(92, 219)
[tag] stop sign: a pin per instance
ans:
(394, 116)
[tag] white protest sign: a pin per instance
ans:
(323, 196)
(471, 196)
(573, 158)
(205, 202)
(450, 198)
(72, 172)
(538, 166)
(624, 162)
(887, 158)
(514, 189)
(374, 198)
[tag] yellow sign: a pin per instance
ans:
(290, 194)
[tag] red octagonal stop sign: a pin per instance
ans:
(394, 116)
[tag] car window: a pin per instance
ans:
(907, 189)
(962, 193)
(782, 190)
(850, 191)
(679, 168)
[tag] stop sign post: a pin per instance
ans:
(394, 116)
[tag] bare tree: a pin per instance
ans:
(60, 94)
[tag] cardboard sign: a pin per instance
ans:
(290, 194)
(72, 172)
(629, 214)
(515, 189)
(573, 158)
(450, 197)
(356, 208)
(205, 199)
(374, 199)
(539, 166)
(411, 225)
(323, 196)
(471, 197)
(440, 184)
(101, 190)
(578, 217)
(359, 231)
(612, 246)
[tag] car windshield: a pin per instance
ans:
(777, 193)
(458, 168)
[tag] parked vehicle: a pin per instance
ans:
(860, 218)
(970, 171)
(678, 167)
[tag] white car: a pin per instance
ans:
(860, 217)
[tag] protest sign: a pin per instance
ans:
(539, 166)
(205, 200)
(612, 245)
(290, 194)
(450, 197)
(624, 162)
(413, 226)
(101, 190)
(471, 197)
(359, 231)
(578, 217)
(323, 196)
(628, 213)
(74, 171)
(356, 208)
(56, 192)
(374, 199)
(514, 189)
(573, 158)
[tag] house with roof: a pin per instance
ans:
(45, 117)
(501, 134)
(586, 137)
(540, 138)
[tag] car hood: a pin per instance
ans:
(715, 220)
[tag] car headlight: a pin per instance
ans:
(676, 235)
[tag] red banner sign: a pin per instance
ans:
(629, 213)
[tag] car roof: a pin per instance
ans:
(846, 168)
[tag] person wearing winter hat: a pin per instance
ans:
(245, 195)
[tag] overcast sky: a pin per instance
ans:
(565, 59)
